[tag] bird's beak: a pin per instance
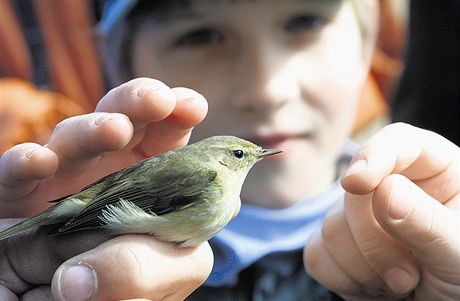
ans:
(268, 152)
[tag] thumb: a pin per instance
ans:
(130, 267)
(421, 223)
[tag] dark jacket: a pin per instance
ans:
(263, 281)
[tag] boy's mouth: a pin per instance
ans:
(286, 142)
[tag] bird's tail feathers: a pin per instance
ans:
(45, 218)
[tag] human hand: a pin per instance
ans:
(125, 267)
(396, 234)
(138, 119)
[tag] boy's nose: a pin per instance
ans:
(265, 80)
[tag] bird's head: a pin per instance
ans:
(235, 153)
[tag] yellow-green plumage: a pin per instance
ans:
(185, 196)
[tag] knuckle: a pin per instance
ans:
(64, 124)
(15, 153)
(29, 160)
(135, 87)
(369, 247)
(374, 250)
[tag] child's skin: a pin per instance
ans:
(282, 83)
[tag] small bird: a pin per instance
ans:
(183, 196)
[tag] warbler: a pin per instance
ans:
(183, 196)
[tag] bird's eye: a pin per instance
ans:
(238, 153)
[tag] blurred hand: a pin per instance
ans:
(396, 234)
(136, 120)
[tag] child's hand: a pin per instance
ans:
(142, 117)
(397, 233)
(136, 120)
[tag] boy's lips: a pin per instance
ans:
(285, 142)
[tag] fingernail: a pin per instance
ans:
(398, 280)
(355, 167)
(77, 283)
(399, 207)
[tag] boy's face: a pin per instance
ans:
(283, 74)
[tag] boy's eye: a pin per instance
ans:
(304, 23)
(200, 37)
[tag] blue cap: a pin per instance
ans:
(114, 11)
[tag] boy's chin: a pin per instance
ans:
(267, 193)
(278, 203)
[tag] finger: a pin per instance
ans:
(40, 293)
(174, 131)
(429, 229)
(22, 264)
(340, 243)
(190, 110)
(7, 295)
(445, 186)
(387, 257)
(21, 168)
(133, 266)
(321, 265)
(143, 100)
(399, 148)
(29, 259)
(80, 139)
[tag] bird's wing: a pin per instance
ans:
(168, 191)
(105, 183)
